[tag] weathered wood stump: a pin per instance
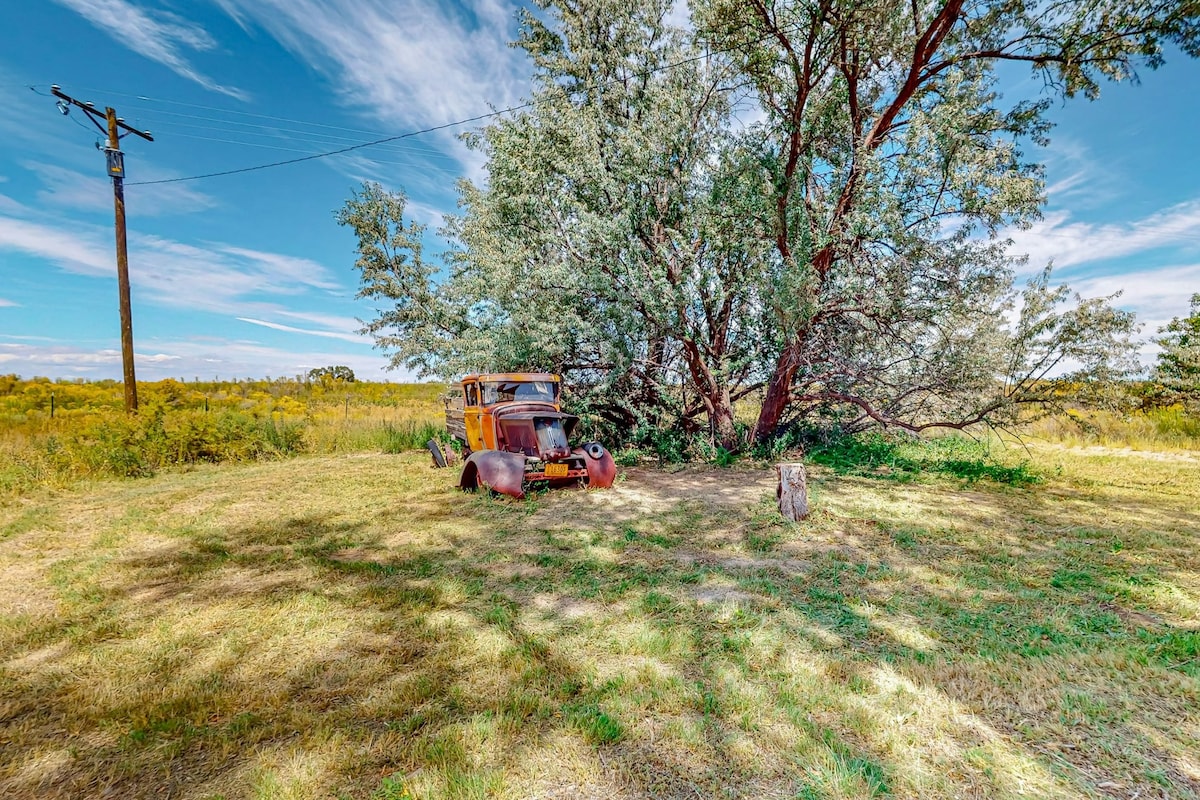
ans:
(792, 491)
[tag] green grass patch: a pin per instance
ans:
(904, 459)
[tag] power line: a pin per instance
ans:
(1176, 237)
(281, 148)
(234, 111)
(225, 124)
(287, 135)
(337, 152)
(410, 134)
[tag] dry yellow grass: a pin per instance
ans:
(352, 626)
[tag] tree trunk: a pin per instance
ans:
(715, 393)
(792, 491)
(775, 400)
(720, 415)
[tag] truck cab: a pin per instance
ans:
(514, 434)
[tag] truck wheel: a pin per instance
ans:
(435, 450)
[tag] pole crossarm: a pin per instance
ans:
(95, 114)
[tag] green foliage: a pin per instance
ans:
(393, 788)
(401, 437)
(905, 458)
(1180, 650)
(392, 269)
(1178, 367)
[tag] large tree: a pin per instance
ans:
(838, 253)
(615, 241)
(894, 162)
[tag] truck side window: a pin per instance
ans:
(472, 390)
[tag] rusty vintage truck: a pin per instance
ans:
(514, 436)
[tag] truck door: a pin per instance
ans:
(471, 415)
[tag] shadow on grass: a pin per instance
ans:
(462, 647)
(903, 459)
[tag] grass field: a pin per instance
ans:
(55, 433)
(352, 626)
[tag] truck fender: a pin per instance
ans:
(496, 470)
(602, 469)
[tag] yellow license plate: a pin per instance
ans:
(556, 470)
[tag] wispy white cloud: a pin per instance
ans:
(10, 206)
(69, 188)
(7, 303)
(347, 337)
(1157, 295)
(680, 15)
(1077, 178)
(405, 62)
(331, 322)
(193, 358)
(430, 216)
(216, 278)
(284, 269)
(157, 35)
(1057, 238)
(77, 360)
(61, 245)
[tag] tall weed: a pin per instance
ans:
(1171, 428)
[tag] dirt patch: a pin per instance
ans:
(1136, 619)
(645, 492)
(240, 581)
(514, 570)
(566, 607)
(788, 566)
(353, 555)
(25, 591)
(713, 487)
(717, 595)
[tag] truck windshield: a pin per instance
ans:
(501, 391)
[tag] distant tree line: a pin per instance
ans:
(327, 374)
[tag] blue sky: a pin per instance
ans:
(249, 276)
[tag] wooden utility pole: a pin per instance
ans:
(116, 170)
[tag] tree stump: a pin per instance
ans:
(792, 491)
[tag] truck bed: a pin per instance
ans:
(455, 421)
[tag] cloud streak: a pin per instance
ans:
(157, 35)
(68, 188)
(1157, 295)
(346, 337)
(216, 278)
(405, 62)
(1056, 238)
(203, 358)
